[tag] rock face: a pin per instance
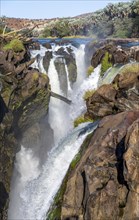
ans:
(101, 186)
(117, 47)
(70, 62)
(135, 52)
(105, 182)
(117, 54)
(61, 70)
(46, 60)
(121, 95)
(24, 100)
(47, 46)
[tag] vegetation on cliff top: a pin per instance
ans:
(16, 45)
(115, 20)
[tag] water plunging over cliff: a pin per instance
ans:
(35, 185)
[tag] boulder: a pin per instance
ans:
(47, 46)
(121, 95)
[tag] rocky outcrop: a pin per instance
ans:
(121, 95)
(24, 100)
(47, 46)
(105, 182)
(46, 60)
(119, 48)
(70, 62)
(134, 53)
(117, 54)
(62, 75)
(34, 45)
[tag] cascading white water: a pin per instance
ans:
(68, 83)
(39, 61)
(37, 193)
(34, 186)
(58, 110)
(89, 83)
(80, 62)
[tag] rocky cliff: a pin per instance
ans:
(24, 101)
(104, 183)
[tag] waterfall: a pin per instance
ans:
(34, 185)
(89, 83)
(69, 87)
(37, 192)
(57, 110)
(80, 62)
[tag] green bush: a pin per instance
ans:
(46, 32)
(81, 119)
(16, 45)
(88, 94)
(105, 63)
(90, 70)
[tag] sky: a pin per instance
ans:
(50, 8)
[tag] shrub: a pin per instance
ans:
(106, 64)
(88, 94)
(46, 32)
(16, 45)
(81, 119)
(90, 70)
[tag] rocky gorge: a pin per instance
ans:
(103, 183)
(24, 101)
